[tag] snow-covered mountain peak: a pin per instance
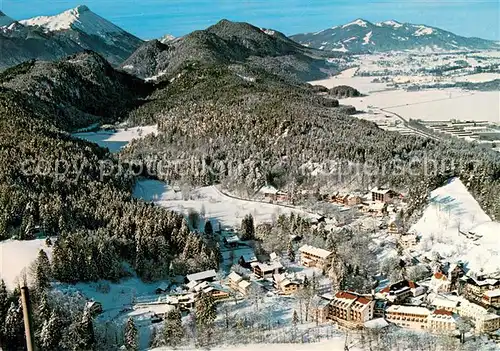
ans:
(359, 22)
(80, 18)
(167, 38)
(390, 23)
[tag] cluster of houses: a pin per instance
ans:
(448, 301)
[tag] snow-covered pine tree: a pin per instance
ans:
(206, 312)
(43, 271)
(131, 336)
(173, 331)
(291, 252)
(13, 328)
(50, 334)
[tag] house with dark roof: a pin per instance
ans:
(401, 291)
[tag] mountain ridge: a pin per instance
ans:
(361, 36)
(67, 33)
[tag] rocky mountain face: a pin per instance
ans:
(240, 44)
(363, 36)
(70, 32)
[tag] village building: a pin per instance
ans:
(237, 283)
(412, 317)
(484, 321)
(439, 283)
(213, 289)
(442, 302)
(269, 192)
(492, 298)
(350, 310)
(395, 226)
(162, 288)
(311, 256)
(346, 199)
(318, 310)
(185, 301)
(381, 195)
(379, 308)
(475, 288)
(408, 241)
(231, 241)
(263, 270)
(207, 276)
(442, 322)
(286, 285)
(401, 291)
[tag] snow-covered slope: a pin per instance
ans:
(80, 18)
(70, 32)
(362, 36)
(455, 226)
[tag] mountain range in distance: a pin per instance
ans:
(363, 36)
(79, 29)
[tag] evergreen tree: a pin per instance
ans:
(173, 331)
(247, 228)
(208, 228)
(85, 332)
(291, 252)
(206, 310)
(43, 271)
(13, 328)
(50, 334)
(295, 318)
(131, 336)
(206, 313)
(4, 300)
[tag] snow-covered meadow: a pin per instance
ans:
(456, 227)
(434, 104)
(227, 210)
(115, 140)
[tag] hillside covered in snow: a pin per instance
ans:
(456, 227)
(364, 36)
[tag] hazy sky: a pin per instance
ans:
(154, 18)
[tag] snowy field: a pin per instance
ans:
(334, 344)
(116, 140)
(229, 211)
(434, 104)
(16, 256)
(455, 226)
(363, 84)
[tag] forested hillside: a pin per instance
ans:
(76, 91)
(235, 43)
(54, 184)
(246, 131)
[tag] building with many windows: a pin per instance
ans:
(311, 256)
(350, 310)
(412, 317)
(442, 322)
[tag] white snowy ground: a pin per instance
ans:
(229, 211)
(116, 140)
(16, 256)
(334, 344)
(452, 210)
(363, 84)
(434, 104)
